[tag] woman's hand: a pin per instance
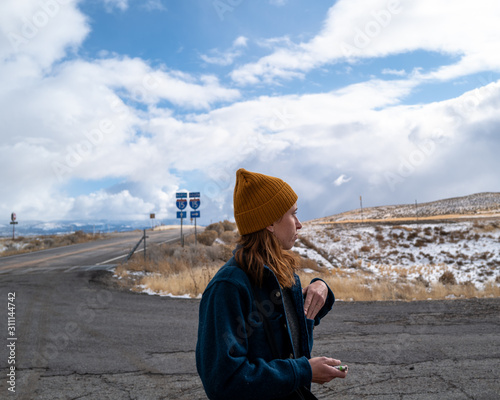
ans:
(316, 295)
(323, 371)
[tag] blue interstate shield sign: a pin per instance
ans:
(181, 204)
(194, 203)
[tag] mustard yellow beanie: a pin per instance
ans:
(259, 200)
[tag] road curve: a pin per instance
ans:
(105, 251)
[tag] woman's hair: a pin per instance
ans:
(262, 247)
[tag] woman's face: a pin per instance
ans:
(285, 229)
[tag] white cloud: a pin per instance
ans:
(73, 124)
(227, 57)
(77, 120)
(357, 29)
(356, 134)
(145, 84)
(385, 149)
(341, 180)
(397, 72)
(154, 5)
(121, 5)
(36, 34)
(112, 206)
(81, 120)
(240, 41)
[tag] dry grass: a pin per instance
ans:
(176, 270)
(180, 279)
(487, 227)
(22, 244)
(358, 287)
(190, 281)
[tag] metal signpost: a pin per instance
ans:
(137, 245)
(13, 222)
(194, 203)
(181, 203)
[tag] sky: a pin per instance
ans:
(108, 108)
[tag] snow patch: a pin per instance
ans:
(146, 290)
(470, 250)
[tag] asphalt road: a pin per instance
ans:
(109, 251)
(80, 338)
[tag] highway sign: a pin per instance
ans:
(181, 214)
(194, 194)
(13, 222)
(195, 214)
(194, 203)
(181, 204)
(181, 195)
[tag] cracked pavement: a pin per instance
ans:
(80, 338)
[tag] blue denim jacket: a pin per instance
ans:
(233, 356)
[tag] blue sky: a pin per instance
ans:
(109, 107)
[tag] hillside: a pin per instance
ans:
(464, 250)
(475, 205)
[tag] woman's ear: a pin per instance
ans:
(270, 228)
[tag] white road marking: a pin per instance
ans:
(113, 259)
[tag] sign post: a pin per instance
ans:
(181, 203)
(13, 222)
(194, 202)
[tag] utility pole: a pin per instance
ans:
(361, 206)
(416, 210)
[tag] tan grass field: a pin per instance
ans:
(347, 287)
(177, 271)
(362, 288)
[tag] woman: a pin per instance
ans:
(256, 323)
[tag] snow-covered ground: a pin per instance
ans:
(6, 244)
(470, 250)
(475, 205)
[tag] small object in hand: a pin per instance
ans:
(342, 368)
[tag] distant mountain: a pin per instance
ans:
(30, 228)
(474, 205)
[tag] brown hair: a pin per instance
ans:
(262, 248)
